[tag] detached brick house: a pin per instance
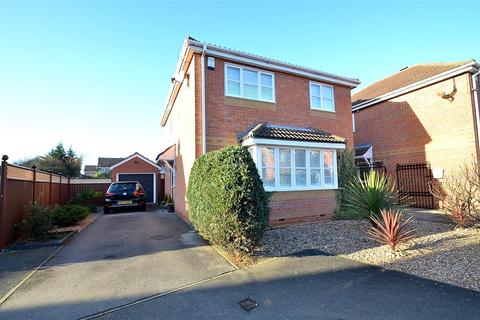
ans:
(292, 119)
(427, 113)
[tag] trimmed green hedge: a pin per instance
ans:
(69, 215)
(228, 205)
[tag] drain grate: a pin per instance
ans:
(248, 304)
(161, 237)
(310, 252)
(110, 256)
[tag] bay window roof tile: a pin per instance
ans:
(269, 131)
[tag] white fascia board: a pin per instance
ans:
(470, 67)
(178, 71)
(138, 156)
(291, 143)
(273, 65)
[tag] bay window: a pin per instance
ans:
(284, 168)
(300, 167)
(328, 174)
(268, 166)
(249, 83)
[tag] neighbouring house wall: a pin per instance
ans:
(227, 117)
(182, 127)
(421, 126)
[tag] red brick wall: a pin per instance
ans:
(421, 126)
(137, 165)
(227, 117)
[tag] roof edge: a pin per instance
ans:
(469, 67)
(197, 46)
(130, 157)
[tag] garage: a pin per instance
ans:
(147, 180)
(139, 168)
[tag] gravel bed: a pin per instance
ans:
(438, 252)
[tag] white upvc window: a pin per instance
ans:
(284, 168)
(249, 83)
(322, 97)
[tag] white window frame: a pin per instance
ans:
(256, 151)
(259, 84)
(321, 108)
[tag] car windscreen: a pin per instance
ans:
(122, 187)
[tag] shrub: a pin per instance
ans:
(390, 229)
(39, 221)
(87, 198)
(372, 194)
(347, 173)
(228, 205)
(69, 215)
(459, 193)
(168, 199)
(459, 217)
(349, 214)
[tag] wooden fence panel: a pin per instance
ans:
(18, 197)
(19, 186)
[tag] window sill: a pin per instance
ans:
(249, 103)
(323, 114)
(301, 189)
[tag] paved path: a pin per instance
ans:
(15, 266)
(313, 287)
(118, 259)
(422, 214)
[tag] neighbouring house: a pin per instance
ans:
(90, 170)
(30, 162)
(422, 122)
(293, 120)
(104, 164)
(139, 168)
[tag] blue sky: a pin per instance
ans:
(95, 74)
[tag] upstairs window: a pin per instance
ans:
(249, 83)
(322, 97)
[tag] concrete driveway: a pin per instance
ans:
(118, 259)
(312, 287)
(115, 270)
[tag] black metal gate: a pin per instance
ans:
(414, 180)
(364, 167)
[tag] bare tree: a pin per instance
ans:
(459, 194)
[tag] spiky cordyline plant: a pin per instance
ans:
(372, 194)
(390, 229)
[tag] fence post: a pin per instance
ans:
(50, 190)
(60, 194)
(34, 167)
(68, 188)
(3, 203)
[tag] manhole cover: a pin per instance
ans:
(248, 304)
(161, 237)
